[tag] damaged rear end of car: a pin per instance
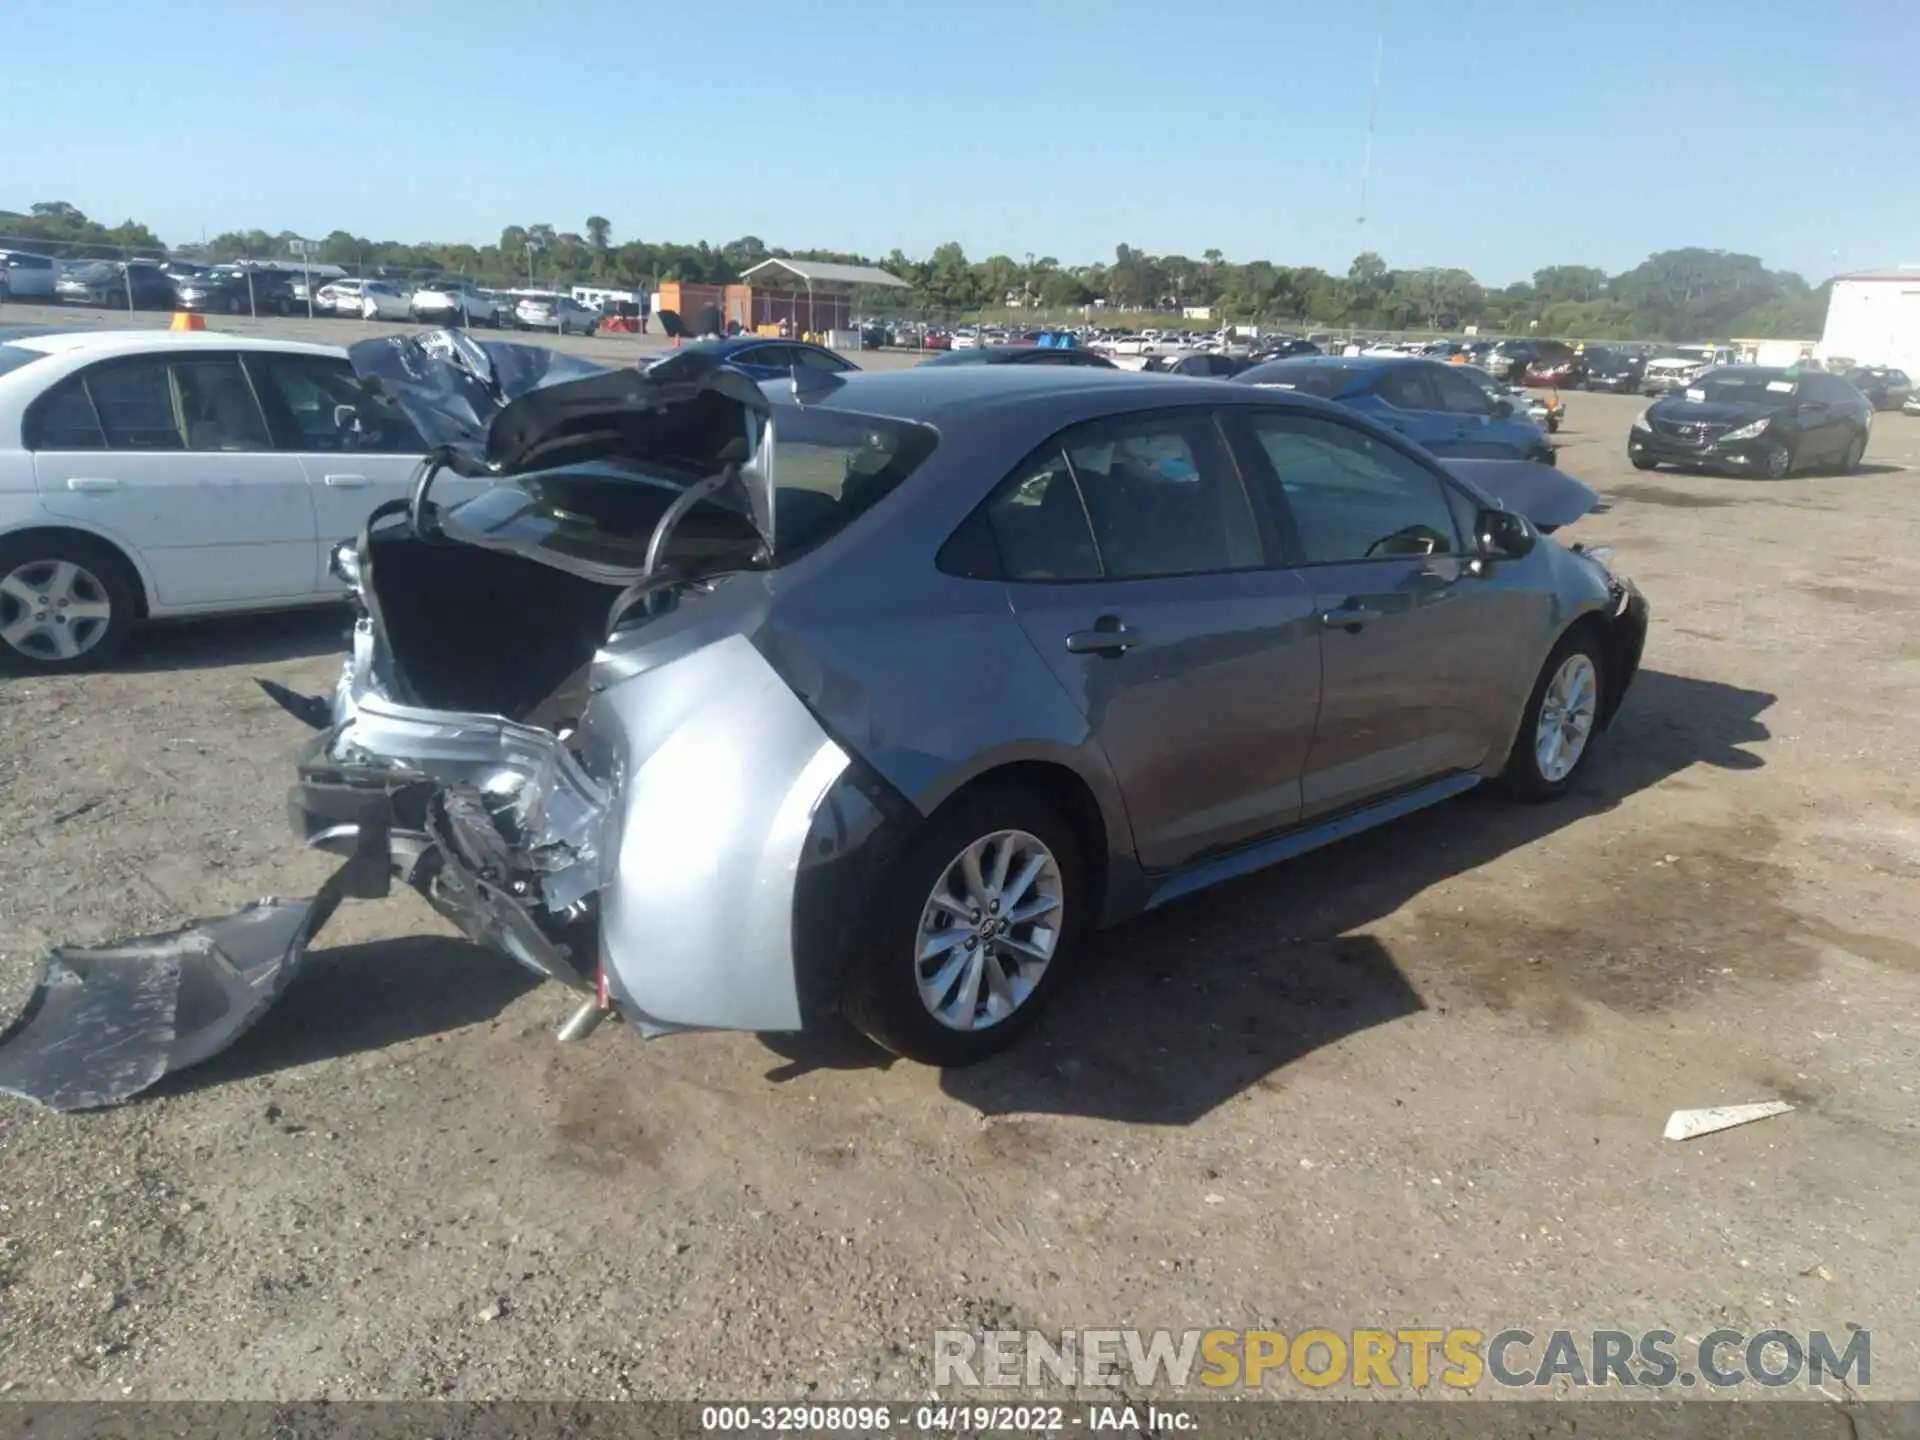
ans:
(554, 722)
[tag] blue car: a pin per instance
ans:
(1433, 405)
(767, 359)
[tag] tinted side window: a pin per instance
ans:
(1460, 395)
(64, 419)
(823, 360)
(780, 356)
(1405, 388)
(1353, 497)
(218, 406)
(1164, 498)
(135, 405)
(1040, 525)
(313, 391)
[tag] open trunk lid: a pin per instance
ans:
(490, 409)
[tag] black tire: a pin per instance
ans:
(880, 992)
(1641, 462)
(1779, 462)
(1524, 776)
(114, 576)
(1856, 452)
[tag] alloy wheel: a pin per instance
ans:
(989, 930)
(1567, 713)
(53, 610)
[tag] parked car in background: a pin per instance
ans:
(454, 302)
(1912, 404)
(108, 284)
(1752, 420)
(384, 300)
(1614, 371)
(1664, 374)
(160, 473)
(26, 276)
(1428, 401)
(1884, 387)
(338, 297)
(1517, 361)
(1023, 355)
(561, 313)
(1207, 365)
(766, 358)
(1281, 346)
(241, 292)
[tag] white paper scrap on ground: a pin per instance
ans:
(1690, 1124)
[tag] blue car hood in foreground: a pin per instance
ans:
(1547, 496)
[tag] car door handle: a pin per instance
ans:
(1348, 617)
(92, 482)
(347, 482)
(1104, 639)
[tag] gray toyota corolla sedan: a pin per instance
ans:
(732, 705)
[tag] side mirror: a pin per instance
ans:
(1502, 409)
(1502, 535)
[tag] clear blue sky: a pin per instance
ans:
(1510, 135)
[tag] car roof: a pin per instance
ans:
(105, 343)
(1054, 394)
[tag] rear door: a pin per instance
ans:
(1417, 652)
(355, 450)
(1138, 568)
(175, 455)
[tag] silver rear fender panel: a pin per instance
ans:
(716, 772)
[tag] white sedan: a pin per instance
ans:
(383, 300)
(153, 473)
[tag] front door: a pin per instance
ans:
(1139, 572)
(1416, 651)
(175, 455)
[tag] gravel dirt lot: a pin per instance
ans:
(1419, 1078)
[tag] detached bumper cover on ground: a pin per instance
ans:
(105, 1023)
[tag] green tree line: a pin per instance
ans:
(1686, 294)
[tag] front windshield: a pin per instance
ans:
(1744, 386)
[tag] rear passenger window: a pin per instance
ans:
(1405, 388)
(64, 420)
(1164, 498)
(135, 405)
(1040, 525)
(218, 405)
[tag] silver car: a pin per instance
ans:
(731, 706)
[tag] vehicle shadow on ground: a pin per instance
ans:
(354, 998)
(238, 640)
(1178, 1011)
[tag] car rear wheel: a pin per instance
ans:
(1557, 727)
(65, 603)
(971, 932)
(1856, 452)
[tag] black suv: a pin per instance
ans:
(1613, 371)
(228, 292)
(1751, 420)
